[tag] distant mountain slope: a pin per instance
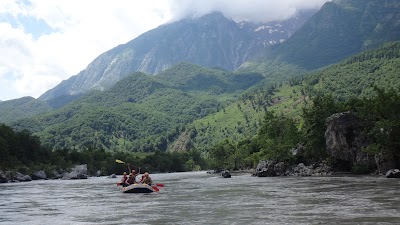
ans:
(16, 109)
(341, 28)
(211, 41)
(141, 112)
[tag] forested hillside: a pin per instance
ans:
(21, 108)
(358, 75)
(355, 77)
(141, 112)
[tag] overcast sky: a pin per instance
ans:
(43, 42)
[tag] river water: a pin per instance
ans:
(200, 198)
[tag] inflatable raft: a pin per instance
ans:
(138, 188)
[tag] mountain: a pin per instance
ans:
(16, 109)
(339, 29)
(211, 41)
(140, 112)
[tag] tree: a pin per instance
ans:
(314, 126)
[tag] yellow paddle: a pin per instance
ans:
(119, 161)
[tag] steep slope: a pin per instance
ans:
(211, 40)
(21, 108)
(355, 76)
(341, 28)
(358, 75)
(141, 112)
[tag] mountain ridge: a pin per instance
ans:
(211, 41)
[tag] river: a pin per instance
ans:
(200, 198)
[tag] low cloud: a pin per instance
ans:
(239, 10)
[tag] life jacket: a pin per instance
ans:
(124, 179)
(131, 180)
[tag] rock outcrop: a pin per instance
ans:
(345, 139)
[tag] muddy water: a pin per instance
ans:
(199, 198)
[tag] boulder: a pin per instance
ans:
(321, 169)
(345, 139)
(265, 169)
(226, 174)
(112, 176)
(393, 173)
(39, 175)
(302, 170)
(78, 172)
(22, 178)
(280, 169)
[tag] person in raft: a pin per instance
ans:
(134, 174)
(146, 179)
(124, 179)
(131, 179)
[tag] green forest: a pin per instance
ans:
(23, 152)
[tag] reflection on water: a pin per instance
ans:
(200, 198)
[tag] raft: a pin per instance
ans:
(137, 188)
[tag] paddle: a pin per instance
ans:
(122, 162)
(119, 161)
(155, 188)
(160, 185)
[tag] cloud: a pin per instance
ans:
(239, 10)
(66, 37)
(46, 41)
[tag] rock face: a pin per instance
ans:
(345, 138)
(78, 172)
